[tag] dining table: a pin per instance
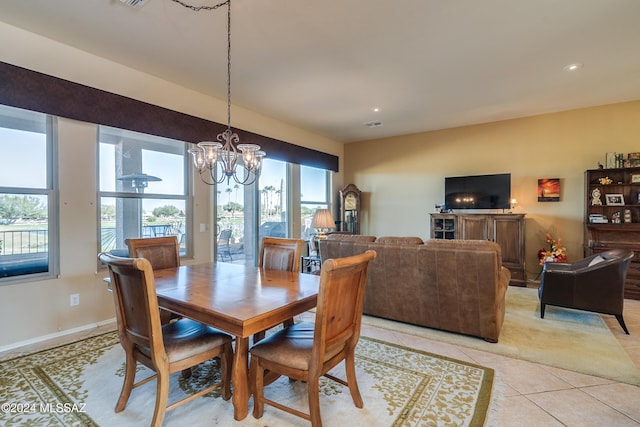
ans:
(240, 300)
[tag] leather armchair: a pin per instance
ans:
(595, 283)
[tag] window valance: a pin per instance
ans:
(31, 90)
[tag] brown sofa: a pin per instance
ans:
(453, 285)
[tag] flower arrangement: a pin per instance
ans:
(555, 253)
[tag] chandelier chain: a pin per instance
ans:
(223, 159)
(228, 65)
(199, 8)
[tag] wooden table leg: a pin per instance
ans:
(240, 379)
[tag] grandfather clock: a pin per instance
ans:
(350, 209)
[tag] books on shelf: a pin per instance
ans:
(598, 219)
(617, 160)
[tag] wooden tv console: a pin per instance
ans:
(505, 229)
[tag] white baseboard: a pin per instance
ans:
(57, 334)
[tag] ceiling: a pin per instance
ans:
(326, 65)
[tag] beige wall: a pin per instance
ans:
(403, 178)
(34, 310)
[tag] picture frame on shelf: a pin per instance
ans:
(633, 162)
(635, 178)
(614, 199)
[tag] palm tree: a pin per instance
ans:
(229, 191)
(264, 192)
(269, 189)
(279, 204)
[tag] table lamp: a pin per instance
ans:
(322, 221)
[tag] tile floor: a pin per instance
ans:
(530, 394)
(525, 393)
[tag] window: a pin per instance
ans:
(273, 200)
(144, 189)
(246, 214)
(28, 233)
(236, 213)
(233, 218)
(314, 194)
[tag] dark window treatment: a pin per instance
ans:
(31, 90)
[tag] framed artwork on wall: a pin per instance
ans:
(549, 190)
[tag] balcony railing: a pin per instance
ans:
(108, 234)
(17, 242)
(23, 252)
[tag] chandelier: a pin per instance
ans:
(225, 158)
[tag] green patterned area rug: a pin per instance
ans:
(575, 340)
(78, 385)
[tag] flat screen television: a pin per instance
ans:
(478, 192)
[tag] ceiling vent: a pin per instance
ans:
(134, 3)
(373, 124)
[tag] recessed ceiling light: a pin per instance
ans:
(134, 3)
(376, 109)
(373, 124)
(573, 67)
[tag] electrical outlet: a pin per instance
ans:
(74, 299)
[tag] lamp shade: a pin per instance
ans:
(322, 219)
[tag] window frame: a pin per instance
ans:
(50, 191)
(328, 201)
(187, 196)
(292, 205)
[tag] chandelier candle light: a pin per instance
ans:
(222, 159)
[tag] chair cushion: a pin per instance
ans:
(289, 347)
(185, 338)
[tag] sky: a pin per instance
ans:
(273, 174)
(20, 170)
(24, 167)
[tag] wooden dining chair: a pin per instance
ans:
(161, 252)
(163, 348)
(278, 253)
(306, 351)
